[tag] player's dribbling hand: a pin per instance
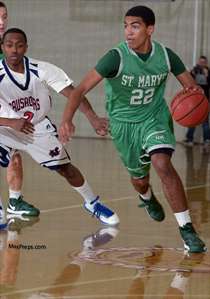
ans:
(22, 125)
(66, 131)
(193, 88)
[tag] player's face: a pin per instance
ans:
(14, 47)
(138, 34)
(3, 20)
(203, 62)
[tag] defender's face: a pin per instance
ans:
(14, 48)
(203, 62)
(3, 20)
(137, 33)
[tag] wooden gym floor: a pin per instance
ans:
(68, 254)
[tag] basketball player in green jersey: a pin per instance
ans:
(135, 72)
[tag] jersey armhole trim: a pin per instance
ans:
(121, 62)
(166, 56)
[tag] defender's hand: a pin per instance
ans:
(66, 131)
(101, 125)
(21, 125)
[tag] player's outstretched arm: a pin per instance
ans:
(76, 97)
(99, 124)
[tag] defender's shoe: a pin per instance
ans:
(18, 222)
(21, 207)
(101, 237)
(153, 208)
(104, 214)
(192, 242)
(3, 221)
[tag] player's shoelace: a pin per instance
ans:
(23, 204)
(99, 209)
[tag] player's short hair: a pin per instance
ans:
(14, 30)
(203, 57)
(2, 4)
(143, 12)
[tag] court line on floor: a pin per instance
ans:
(42, 288)
(115, 199)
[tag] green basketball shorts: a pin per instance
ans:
(135, 141)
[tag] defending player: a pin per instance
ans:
(25, 102)
(15, 168)
(141, 126)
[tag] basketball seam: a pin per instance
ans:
(191, 110)
(183, 99)
(202, 116)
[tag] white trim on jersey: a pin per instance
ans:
(166, 56)
(29, 95)
(121, 62)
(159, 146)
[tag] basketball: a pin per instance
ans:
(189, 108)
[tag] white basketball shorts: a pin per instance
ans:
(43, 145)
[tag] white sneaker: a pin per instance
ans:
(101, 237)
(3, 221)
(104, 214)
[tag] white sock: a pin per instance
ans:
(147, 195)
(86, 192)
(12, 236)
(183, 217)
(14, 194)
(179, 282)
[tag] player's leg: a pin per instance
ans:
(92, 202)
(174, 192)
(10, 139)
(189, 137)
(160, 143)
(16, 204)
(49, 152)
(15, 175)
(128, 141)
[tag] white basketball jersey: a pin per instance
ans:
(27, 94)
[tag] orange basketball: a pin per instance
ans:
(190, 107)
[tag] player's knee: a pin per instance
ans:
(16, 159)
(16, 162)
(163, 168)
(141, 183)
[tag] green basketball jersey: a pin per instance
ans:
(137, 91)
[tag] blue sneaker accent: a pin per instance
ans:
(101, 212)
(100, 237)
(100, 209)
(3, 225)
(3, 222)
